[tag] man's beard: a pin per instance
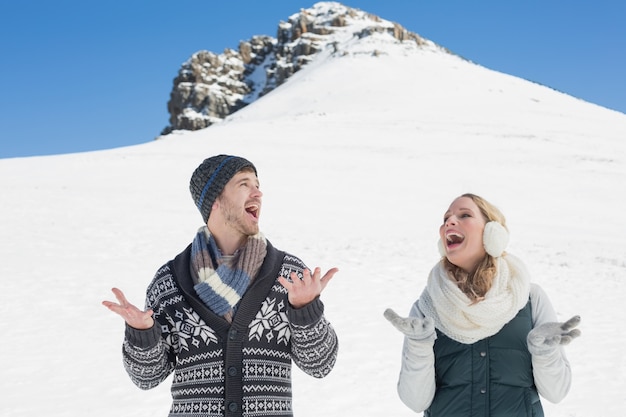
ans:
(236, 219)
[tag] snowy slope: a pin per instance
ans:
(359, 155)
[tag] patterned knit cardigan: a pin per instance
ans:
(223, 369)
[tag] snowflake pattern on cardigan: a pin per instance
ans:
(222, 369)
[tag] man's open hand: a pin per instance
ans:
(303, 291)
(133, 316)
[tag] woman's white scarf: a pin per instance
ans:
(456, 316)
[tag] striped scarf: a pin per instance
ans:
(221, 288)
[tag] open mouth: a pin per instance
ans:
(253, 210)
(453, 239)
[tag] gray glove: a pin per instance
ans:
(545, 338)
(421, 330)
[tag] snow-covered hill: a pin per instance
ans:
(359, 155)
(210, 86)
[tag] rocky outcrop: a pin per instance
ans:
(210, 87)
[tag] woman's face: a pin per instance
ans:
(462, 234)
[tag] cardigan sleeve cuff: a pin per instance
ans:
(307, 315)
(143, 339)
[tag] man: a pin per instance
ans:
(229, 313)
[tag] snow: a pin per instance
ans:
(358, 157)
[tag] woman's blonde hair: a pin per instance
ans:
(475, 284)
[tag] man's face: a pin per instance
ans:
(240, 203)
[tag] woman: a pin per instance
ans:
(481, 340)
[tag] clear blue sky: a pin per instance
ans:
(87, 75)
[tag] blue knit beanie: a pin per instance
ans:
(209, 179)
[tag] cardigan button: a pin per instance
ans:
(232, 371)
(232, 334)
(232, 407)
(483, 391)
(483, 354)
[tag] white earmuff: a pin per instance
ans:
(442, 250)
(495, 238)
